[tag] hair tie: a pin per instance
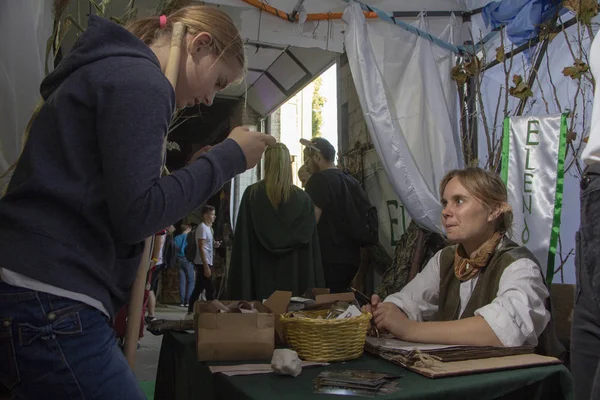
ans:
(163, 21)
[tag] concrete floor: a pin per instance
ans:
(147, 355)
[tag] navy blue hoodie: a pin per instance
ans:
(87, 189)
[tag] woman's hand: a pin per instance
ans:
(207, 272)
(388, 317)
(375, 300)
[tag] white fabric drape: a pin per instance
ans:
(393, 219)
(25, 26)
(445, 61)
(409, 109)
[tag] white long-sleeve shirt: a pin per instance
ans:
(591, 152)
(517, 315)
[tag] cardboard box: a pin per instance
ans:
(318, 291)
(237, 336)
(332, 298)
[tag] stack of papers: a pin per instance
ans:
(351, 311)
(355, 383)
(445, 353)
(253, 369)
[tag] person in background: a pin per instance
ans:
(204, 257)
(304, 175)
(275, 245)
(186, 268)
(484, 290)
(327, 187)
(86, 192)
(585, 328)
(158, 266)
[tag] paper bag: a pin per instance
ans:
(278, 303)
(233, 336)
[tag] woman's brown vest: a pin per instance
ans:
(486, 290)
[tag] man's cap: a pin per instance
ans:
(322, 146)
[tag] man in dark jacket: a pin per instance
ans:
(327, 187)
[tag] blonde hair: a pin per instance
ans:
(278, 174)
(226, 40)
(487, 188)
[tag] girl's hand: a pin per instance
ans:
(253, 143)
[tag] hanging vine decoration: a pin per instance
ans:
(577, 71)
(466, 69)
(571, 137)
(459, 74)
(585, 10)
(500, 56)
(521, 89)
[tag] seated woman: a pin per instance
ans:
(275, 244)
(485, 289)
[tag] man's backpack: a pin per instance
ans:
(191, 247)
(361, 215)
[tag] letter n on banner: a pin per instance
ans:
(533, 157)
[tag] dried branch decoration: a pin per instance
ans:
(521, 90)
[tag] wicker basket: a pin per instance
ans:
(326, 340)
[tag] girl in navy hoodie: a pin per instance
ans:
(87, 191)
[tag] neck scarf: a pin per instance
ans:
(466, 268)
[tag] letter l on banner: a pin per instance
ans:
(533, 157)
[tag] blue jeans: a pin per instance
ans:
(186, 279)
(585, 333)
(53, 347)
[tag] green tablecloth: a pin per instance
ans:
(180, 376)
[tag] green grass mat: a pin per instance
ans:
(148, 389)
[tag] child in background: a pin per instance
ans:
(204, 258)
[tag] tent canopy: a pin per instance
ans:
(276, 73)
(285, 56)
